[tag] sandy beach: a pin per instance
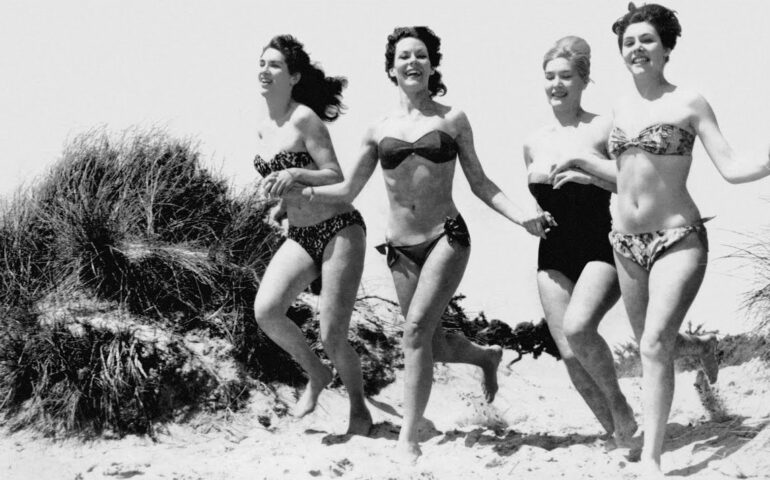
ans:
(538, 427)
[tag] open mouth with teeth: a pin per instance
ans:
(639, 60)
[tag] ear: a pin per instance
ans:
(295, 78)
(392, 72)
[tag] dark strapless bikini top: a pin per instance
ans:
(658, 139)
(436, 146)
(281, 161)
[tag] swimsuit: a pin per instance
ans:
(312, 238)
(658, 139)
(455, 230)
(645, 248)
(281, 161)
(436, 146)
(583, 216)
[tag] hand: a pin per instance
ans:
(294, 192)
(572, 175)
(562, 165)
(539, 224)
(283, 180)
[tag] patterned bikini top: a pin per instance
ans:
(436, 146)
(281, 161)
(658, 139)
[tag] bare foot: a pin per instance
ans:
(360, 423)
(625, 426)
(408, 453)
(309, 399)
(494, 355)
(650, 470)
(708, 356)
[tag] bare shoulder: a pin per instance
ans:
(693, 100)
(456, 118)
(304, 117)
(601, 124)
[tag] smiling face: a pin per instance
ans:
(411, 64)
(274, 77)
(642, 49)
(563, 86)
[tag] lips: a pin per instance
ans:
(638, 60)
(558, 94)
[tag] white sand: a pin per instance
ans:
(538, 428)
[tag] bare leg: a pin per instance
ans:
(437, 282)
(342, 267)
(555, 293)
(289, 272)
(449, 347)
(595, 293)
(671, 287)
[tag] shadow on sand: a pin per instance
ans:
(724, 438)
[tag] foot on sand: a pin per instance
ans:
(708, 357)
(408, 453)
(650, 470)
(360, 423)
(309, 399)
(489, 387)
(625, 427)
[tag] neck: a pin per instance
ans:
(569, 117)
(651, 85)
(415, 101)
(278, 107)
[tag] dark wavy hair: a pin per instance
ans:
(576, 51)
(432, 43)
(320, 93)
(663, 19)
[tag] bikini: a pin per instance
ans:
(583, 215)
(435, 146)
(312, 238)
(659, 139)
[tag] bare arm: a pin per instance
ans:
(602, 168)
(484, 188)
(732, 168)
(319, 145)
(347, 190)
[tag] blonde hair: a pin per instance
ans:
(575, 50)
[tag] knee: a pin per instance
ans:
(578, 329)
(415, 336)
(655, 346)
(264, 313)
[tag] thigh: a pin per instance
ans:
(596, 291)
(290, 270)
(674, 280)
(633, 281)
(405, 276)
(437, 282)
(555, 292)
(341, 272)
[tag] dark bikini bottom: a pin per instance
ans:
(645, 248)
(314, 238)
(455, 230)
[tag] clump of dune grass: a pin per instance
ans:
(60, 381)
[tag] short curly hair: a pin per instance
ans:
(432, 43)
(663, 19)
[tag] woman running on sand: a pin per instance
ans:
(658, 234)
(323, 239)
(428, 244)
(571, 177)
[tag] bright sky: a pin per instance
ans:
(191, 67)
